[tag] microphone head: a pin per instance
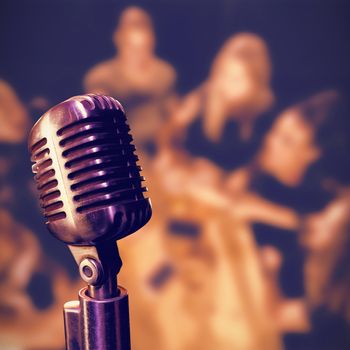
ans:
(86, 171)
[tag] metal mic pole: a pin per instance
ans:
(92, 194)
(100, 318)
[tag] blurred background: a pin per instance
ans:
(240, 113)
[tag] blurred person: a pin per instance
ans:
(326, 238)
(278, 172)
(14, 120)
(142, 81)
(14, 127)
(194, 272)
(290, 314)
(16, 269)
(278, 188)
(16, 180)
(33, 288)
(217, 119)
(29, 320)
(324, 310)
(194, 297)
(292, 146)
(288, 151)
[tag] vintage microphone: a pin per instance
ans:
(92, 194)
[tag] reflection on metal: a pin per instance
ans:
(92, 194)
(86, 171)
(97, 324)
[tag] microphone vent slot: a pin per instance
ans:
(46, 181)
(100, 159)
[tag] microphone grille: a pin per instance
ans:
(87, 172)
(46, 181)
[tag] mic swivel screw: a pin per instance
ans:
(91, 271)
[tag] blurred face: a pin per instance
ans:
(252, 50)
(289, 148)
(240, 76)
(136, 41)
(135, 35)
(233, 80)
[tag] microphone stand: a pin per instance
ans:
(99, 320)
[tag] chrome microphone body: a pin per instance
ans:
(92, 194)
